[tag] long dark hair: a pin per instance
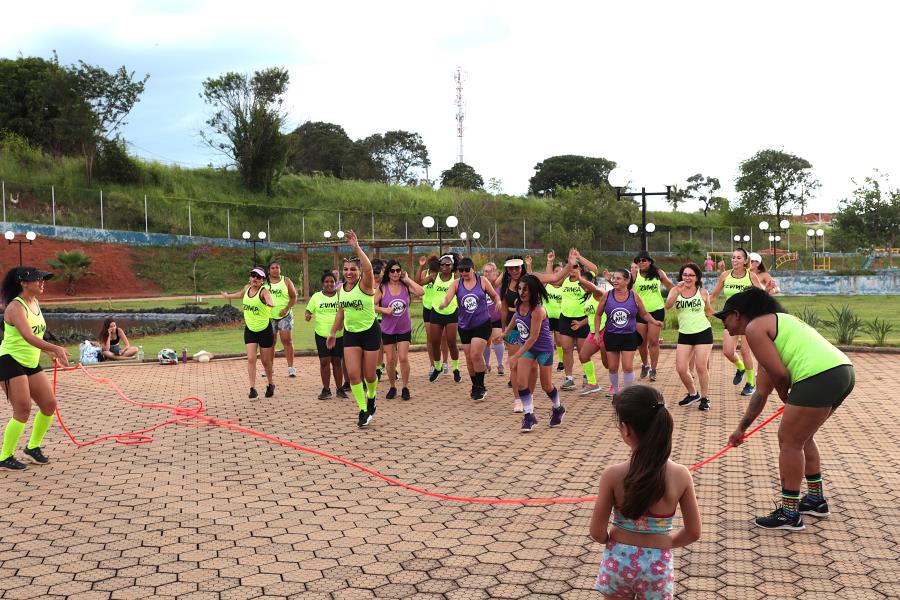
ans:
(537, 293)
(754, 302)
(386, 274)
(761, 267)
(504, 282)
(104, 329)
(652, 270)
(643, 409)
(11, 286)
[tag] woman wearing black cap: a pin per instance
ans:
(811, 376)
(648, 282)
(20, 352)
(257, 305)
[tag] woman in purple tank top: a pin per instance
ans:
(471, 293)
(535, 346)
(392, 299)
(622, 306)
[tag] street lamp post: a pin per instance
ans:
(247, 238)
(430, 224)
(468, 240)
(812, 235)
(29, 239)
(775, 237)
(618, 178)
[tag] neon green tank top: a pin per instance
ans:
(803, 350)
(428, 297)
(440, 290)
(572, 304)
(733, 285)
(553, 305)
(648, 290)
(15, 345)
(256, 313)
(590, 309)
(691, 314)
(324, 311)
(359, 309)
(280, 297)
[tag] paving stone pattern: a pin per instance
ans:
(204, 512)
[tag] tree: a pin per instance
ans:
(462, 176)
(577, 209)
(569, 171)
(774, 179)
(197, 254)
(247, 122)
(73, 266)
(317, 147)
(871, 218)
(495, 185)
(400, 154)
(702, 188)
(110, 97)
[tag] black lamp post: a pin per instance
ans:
(618, 178)
(29, 239)
(813, 235)
(467, 239)
(775, 237)
(430, 224)
(247, 238)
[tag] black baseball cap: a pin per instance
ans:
(642, 254)
(730, 307)
(33, 274)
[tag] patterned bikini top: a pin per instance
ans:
(648, 523)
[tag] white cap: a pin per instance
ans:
(755, 256)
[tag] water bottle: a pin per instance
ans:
(184, 355)
(140, 354)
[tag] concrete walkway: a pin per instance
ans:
(206, 512)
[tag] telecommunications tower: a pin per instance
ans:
(460, 111)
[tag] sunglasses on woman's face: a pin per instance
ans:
(396, 270)
(446, 264)
(464, 269)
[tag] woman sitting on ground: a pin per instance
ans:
(114, 343)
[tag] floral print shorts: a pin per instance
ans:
(632, 571)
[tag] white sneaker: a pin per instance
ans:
(292, 372)
(517, 406)
(588, 389)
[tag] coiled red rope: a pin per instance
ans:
(194, 416)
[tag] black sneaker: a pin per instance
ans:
(779, 519)
(813, 508)
(704, 404)
(529, 421)
(748, 390)
(346, 387)
(404, 394)
(370, 407)
(391, 394)
(36, 455)
(434, 375)
(738, 376)
(378, 374)
(325, 394)
(364, 419)
(556, 416)
(270, 390)
(253, 393)
(560, 366)
(689, 399)
(645, 370)
(12, 464)
(341, 393)
(479, 393)
(456, 376)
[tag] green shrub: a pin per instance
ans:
(114, 165)
(878, 329)
(844, 323)
(809, 316)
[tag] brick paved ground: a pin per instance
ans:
(204, 512)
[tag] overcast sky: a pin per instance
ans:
(666, 89)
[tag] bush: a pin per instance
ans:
(114, 165)
(878, 329)
(809, 316)
(844, 323)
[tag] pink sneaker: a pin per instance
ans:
(517, 406)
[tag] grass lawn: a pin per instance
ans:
(229, 340)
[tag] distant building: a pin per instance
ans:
(815, 218)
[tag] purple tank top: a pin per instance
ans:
(493, 309)
(473, 310)
(544, 343)
(620, 316)
(398, 321)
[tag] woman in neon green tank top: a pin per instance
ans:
(648, 283)
(362, 333)
(731, 282)
(811, 376)
(427, 267)
(443, 325)
(20, 352)
(258, 332)
(695, 339)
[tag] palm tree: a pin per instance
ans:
(73, 265)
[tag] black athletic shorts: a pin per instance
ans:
(264, 338)
(828, 388)
(565, 327)
(696, 339)
(393, 338)
(498, 324)
(659, 315)
(369, 340)
(554, 323)
(323, 351)
(622, 342)
(10, 367)
(426, 314)
(439, 319)
(482, 331)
